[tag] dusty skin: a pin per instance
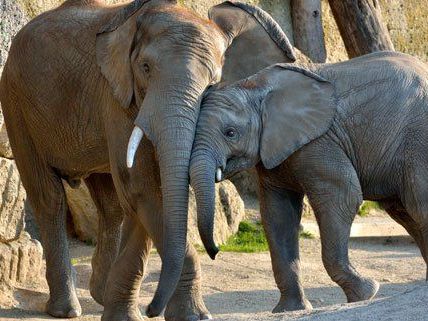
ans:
(238, 283)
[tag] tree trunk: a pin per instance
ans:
(361, 26)
(307, 28)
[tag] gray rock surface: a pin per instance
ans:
(12, 197)
(83, 212)
(21, 264)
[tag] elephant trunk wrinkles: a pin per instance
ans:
(173, 144)
(202, 178)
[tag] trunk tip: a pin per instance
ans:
(212, 252)
(152, 311)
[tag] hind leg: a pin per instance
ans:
(415, 201)
(46, 195)
(335, 201)
(110, 216)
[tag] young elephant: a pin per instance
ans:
(339, 133)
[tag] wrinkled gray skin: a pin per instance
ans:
(76, 81)
(339, 133)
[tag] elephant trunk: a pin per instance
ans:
(202, 178)
(173, 141)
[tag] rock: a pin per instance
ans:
(229, 211)
(21, 263)
(83, 212)
(5, 150)
(31, 226)
(12, 201)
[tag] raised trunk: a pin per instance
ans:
(361, 26)
(202, 179)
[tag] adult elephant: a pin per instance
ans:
(79, 79)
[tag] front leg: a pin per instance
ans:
(187, 304)
(281, 211)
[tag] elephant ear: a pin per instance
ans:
(255, 39)
(113, 50)
(299, 109)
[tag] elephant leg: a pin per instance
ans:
(335, 204)
(415, 201)
(125, 277)
(46, 196)
(110, 216)
(50, 208)
(281, 213)
(420, 235)
(187, 302)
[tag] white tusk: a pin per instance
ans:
(134, 142)
(218, 174)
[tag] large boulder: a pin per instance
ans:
(83, 212)
(12, 197)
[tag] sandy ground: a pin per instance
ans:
(238, 283)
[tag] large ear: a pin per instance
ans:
(113, 49)
(298, 110)
(256, 40)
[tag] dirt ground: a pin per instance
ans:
(237, 283)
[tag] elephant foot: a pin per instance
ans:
(64, 307)
(97, 288)
(186, 307)
(292, 304)
(115, 313)
(365, 289)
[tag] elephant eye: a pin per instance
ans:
(230, 133)
(146, 68)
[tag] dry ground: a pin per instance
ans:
(238, 283)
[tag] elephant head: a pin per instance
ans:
(158, 59)
(265, 117)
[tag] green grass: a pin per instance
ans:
(367, 206)
(251, 238)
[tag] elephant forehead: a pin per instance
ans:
(164, 20)
(223, 109)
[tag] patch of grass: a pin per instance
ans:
(368, 206)
(306, 235)
(251, 238)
